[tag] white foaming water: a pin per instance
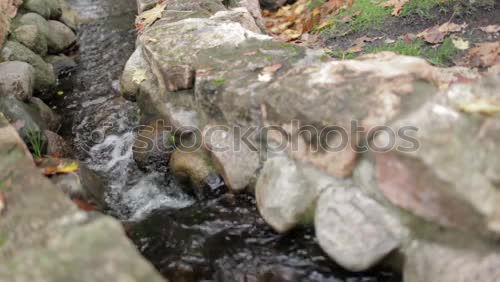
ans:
(131, 193)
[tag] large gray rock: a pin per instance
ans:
(60, 37)
(69, 16)
(428, 261)
(31, 37)
(49, 9)
(49, 118)
(17, 79)
(172, 57)
(234, 159)
(153, 144)
(196, 170)
(44, 234)
(238, 15)
(135, 73)
(83, 184)
(33, 19)
(56, 145)
(451, 175)
(44, 73)
(26, 120)
(62, 64)
(287, 191)
(10, 137)
(355, 230)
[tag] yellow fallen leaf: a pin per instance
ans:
(72, 167)
(61, 168)
(460, 43)
(150, 16)
(480, 106)
(139, 76)
(60, 93)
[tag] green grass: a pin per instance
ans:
(36, 141)
(219, 81)
(372, 15)
(422, 7)
(441, 56)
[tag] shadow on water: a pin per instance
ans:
(222, 239)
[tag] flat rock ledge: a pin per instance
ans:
(417, 170)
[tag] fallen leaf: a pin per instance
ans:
(139, 76)
(480, 106)
(290, 34)
(61, 168)
(267, 73)
(397, 4)
(2, 202)
(484, 54)
(358, 44)
(84, 205)
(408, 38)
(292, 21)
(460, 43)
(149, 17)
(491, 28)
(348, 18)
(436, 34)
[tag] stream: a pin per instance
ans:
(221, 239)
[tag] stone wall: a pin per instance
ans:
(44, 236)
(201, 64)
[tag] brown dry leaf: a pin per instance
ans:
(84, 205)
(491, 28)
(436, 34)
(348, 18)
(149, 17)
(267, 73)
(397, 4)
(290, 22)
(485, 54)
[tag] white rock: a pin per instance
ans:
(287, 191)
(355, 230)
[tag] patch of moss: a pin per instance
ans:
(219, 81)
(341, 54)
(441, 56)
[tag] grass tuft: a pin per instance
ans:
(37, 142)
(441, 56)
(371, 16)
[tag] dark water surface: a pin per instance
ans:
(222, 239)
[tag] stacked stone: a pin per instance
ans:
(433, 190)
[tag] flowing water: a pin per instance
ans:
(222, 239)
